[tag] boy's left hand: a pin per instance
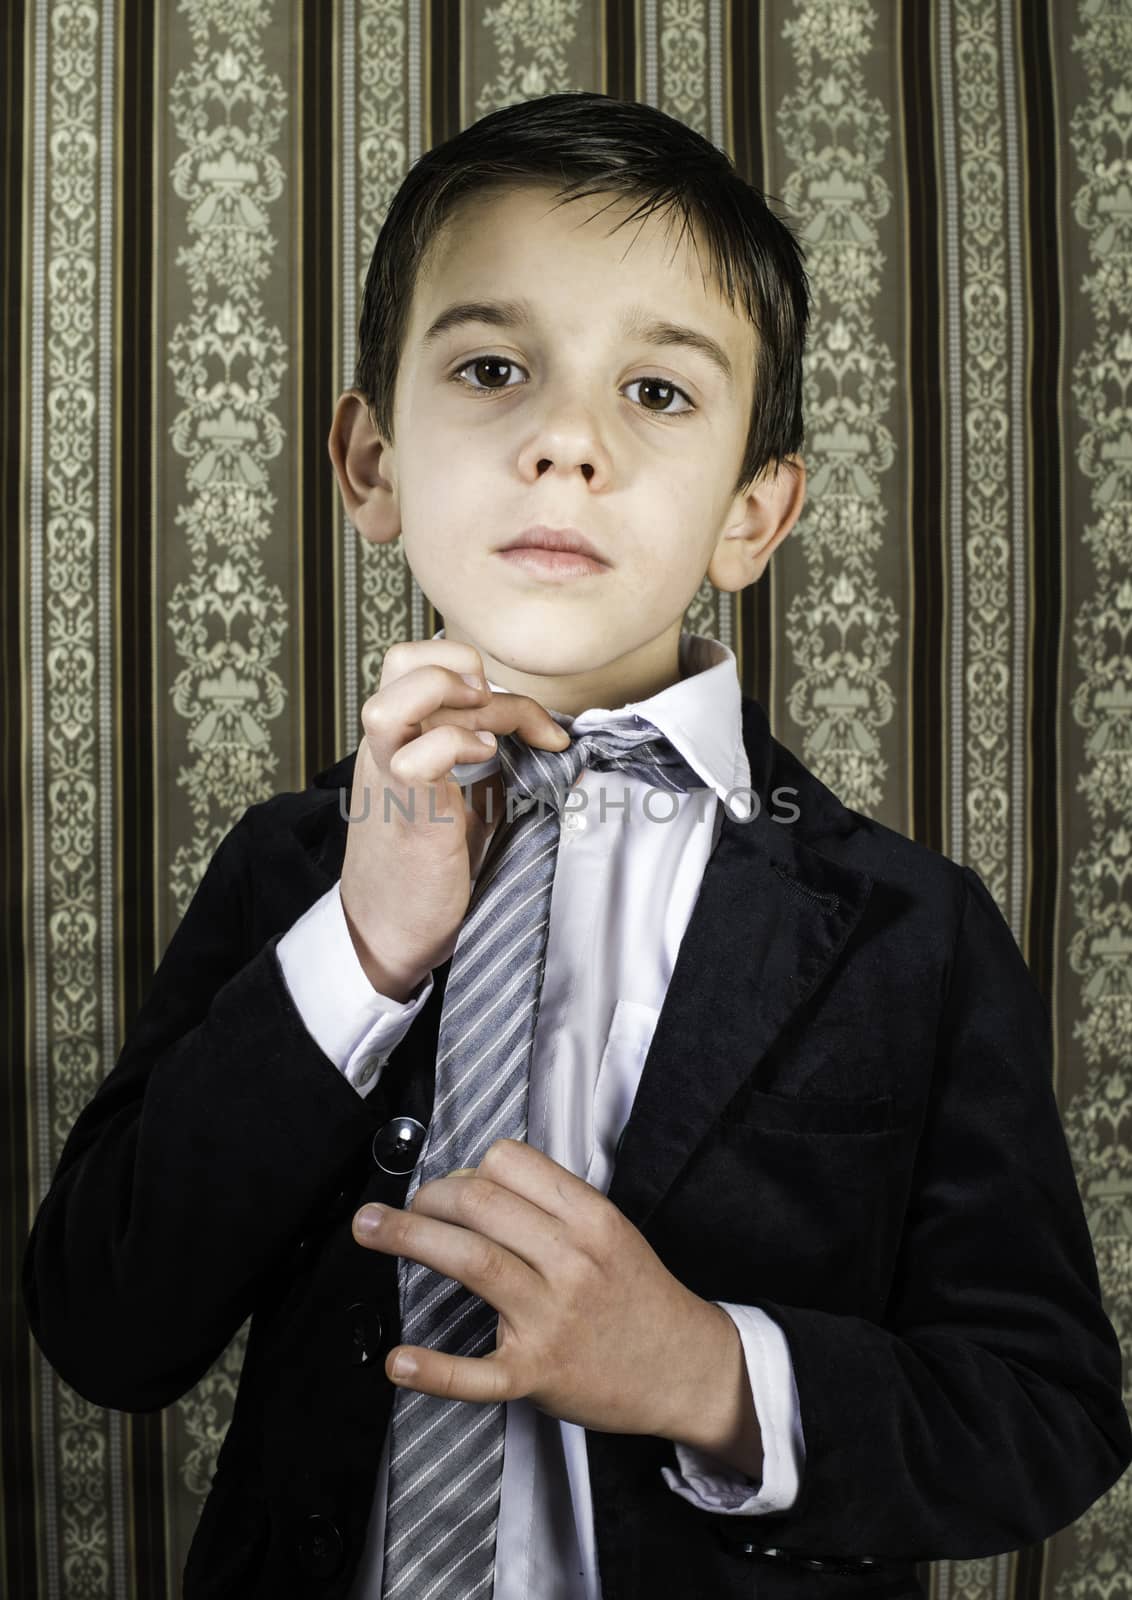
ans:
(593, 1328)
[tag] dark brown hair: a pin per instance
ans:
(583, 143)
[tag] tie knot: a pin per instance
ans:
(632, 745)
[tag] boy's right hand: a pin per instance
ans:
(406, 883)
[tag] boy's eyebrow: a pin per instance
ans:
(637, 323)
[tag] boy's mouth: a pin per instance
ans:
(551, 563)
(561, 540)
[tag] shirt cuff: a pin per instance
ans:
(711, 1484)
(352, 1023)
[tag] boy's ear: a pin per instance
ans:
(357, 451)
(762, 517)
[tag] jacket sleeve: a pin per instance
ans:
(986, 1413)
(185, 1180)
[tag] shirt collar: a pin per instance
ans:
(700, 715)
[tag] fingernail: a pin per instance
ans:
(368, 1219)
(404, 1366)
(471, 679)
(482, 733)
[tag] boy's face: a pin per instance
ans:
(558, 428)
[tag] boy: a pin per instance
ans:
(733, 1156)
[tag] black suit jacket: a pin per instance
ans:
(845, 1116)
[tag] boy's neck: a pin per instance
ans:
(634, 678)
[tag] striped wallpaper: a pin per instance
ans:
(190, 196)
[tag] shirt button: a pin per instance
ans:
(366, 1069)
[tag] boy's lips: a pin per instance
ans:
(541, 537)
(551, 563)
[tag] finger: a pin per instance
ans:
(393, 717)
(432, 754)
(413, 693)
(528, 1171)
(518, 714)
(501, 712)
(434, 700)
(430, 757)
(509, 1220)
(483, 1266)
(481, 1379)
(406, 656)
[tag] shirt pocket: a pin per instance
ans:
(618, 1075)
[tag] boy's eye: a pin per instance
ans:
(505, 361)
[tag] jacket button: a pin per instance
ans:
(365, 1334)
(319, 1547)
(397, 1145)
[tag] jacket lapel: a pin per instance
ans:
(770, 920)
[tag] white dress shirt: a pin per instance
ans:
(624, 889)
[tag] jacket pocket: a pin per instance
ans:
(777, 1113)
(804, 1149)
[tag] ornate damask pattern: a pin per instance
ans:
(527, 43)
(375, 78)
(682, 78)
(1098, 1120)
(226, 148)
(986, 820)
(842, 628)
(71, 670)
(229, 623)
(986, 678)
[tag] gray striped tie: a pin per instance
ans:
(446, 1456)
